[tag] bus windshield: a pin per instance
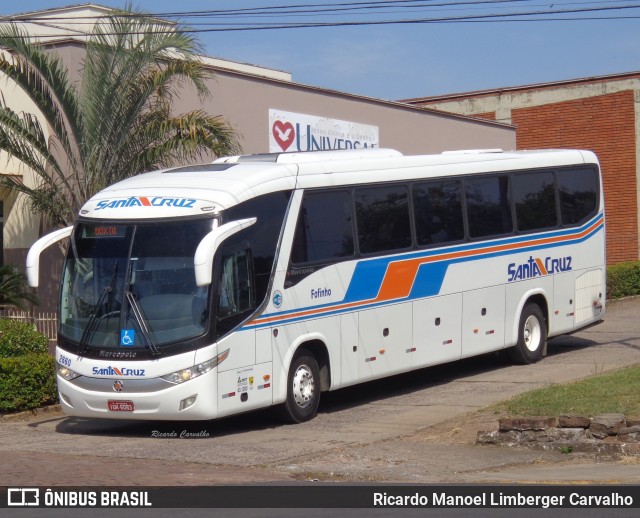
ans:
(133, 285)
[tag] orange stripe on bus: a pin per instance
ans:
(400, 275)
(398, 279)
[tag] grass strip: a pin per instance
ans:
(613, 392)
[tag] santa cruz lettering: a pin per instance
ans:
(115, 371)
(536, 267)
(144, 201)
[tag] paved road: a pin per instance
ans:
(409, 428)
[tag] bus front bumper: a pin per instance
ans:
(156, 399)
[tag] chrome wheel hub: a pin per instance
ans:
(532, 333)
(303, 386)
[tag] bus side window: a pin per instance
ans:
(578, 189)
(235, 289)
(324, 231)
(488, 206)
(437, 209)
(382, 216)
(534, 199)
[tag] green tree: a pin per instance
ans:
(13, 288)
(118, 122)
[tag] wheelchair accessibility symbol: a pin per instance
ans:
(127, 337)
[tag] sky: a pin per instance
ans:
(401, 61)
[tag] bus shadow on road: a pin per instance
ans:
(243, 423)
(410, 382)
(565, 343)
(331, 402)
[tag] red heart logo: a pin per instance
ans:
(284, 133)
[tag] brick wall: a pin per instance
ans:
(605, 125)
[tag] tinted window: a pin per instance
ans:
(488, 208)
(235, 286)
(235, 289)
(262, 237)
(382, 214)
(578, 190)
(535, 200)
(324, 231)
(438, 212)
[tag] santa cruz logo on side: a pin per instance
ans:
(536, 267)
(145, 201)
(115, 371)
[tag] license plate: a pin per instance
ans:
(120, 406)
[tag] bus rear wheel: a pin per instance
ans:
(532, 336)
(303, 389)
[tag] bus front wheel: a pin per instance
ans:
(532, 336)
(303, 389)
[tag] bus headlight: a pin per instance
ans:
(197, 370)
(66, 373)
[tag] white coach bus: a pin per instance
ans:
(199, 292)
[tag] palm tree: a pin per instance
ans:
(13, 288)
(117, 123)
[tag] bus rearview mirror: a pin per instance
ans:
(33, 257)
(206, 251)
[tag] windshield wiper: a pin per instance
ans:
(94, 318)
(142, 321)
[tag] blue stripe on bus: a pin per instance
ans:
(369, 274)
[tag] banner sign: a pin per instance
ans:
(319, 495)
(299, 132)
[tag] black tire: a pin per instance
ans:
(532, 336)
(303, 389)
